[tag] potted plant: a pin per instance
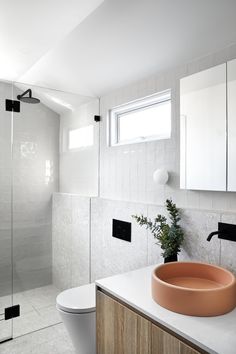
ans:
(169, 236)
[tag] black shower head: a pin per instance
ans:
(28, 99)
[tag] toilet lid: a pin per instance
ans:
(77, 300)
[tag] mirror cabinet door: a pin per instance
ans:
(203, 130)
(231, 79)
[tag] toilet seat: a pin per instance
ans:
(77, 300)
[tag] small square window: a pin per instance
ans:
(81, 137)
(143, 120)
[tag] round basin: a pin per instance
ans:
(196, 289)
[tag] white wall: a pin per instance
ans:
(127, 188)
(126, 171)
(79, 168)
(35, 178)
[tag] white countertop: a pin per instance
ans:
(213, 334)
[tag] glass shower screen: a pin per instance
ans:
(6, 121)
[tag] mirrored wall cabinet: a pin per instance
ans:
(208, 129)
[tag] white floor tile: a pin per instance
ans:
(38, 310)
(51, 340)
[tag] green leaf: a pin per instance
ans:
(169, 237)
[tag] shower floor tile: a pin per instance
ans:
(42, 297)
(51, 340)
(43, 313)
(38, 310)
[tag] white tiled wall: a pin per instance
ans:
(35, 178)
(126, 171)
(79, 167)
(35, 142)
(127, 187)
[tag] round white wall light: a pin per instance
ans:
(160, 176)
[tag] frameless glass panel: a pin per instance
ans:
(79, 165)
(35, 178)
(5, 211)
(42, 242)
(80, 138)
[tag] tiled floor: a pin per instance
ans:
(39, 329)
(51, 340)
(38, 310)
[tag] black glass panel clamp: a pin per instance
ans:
(11, 312)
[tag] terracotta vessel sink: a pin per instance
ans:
(196, 289)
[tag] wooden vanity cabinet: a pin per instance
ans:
(165, 343)
(121, 330)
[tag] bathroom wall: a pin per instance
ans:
(35, 177)
(81, 224)
(126, 171)
(79, 167)
(127, 188)
(70, 240)
(111, 256)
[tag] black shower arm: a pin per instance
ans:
(29, 91)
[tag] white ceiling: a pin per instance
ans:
(120, 42)
(30, 28)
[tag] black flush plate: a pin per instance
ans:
(12, 106)
(121, 230)
(11, 312)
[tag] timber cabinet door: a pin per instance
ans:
(120, 330)
(123, 331)
(165, 343)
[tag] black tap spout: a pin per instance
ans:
(224, 232)
(212, 234)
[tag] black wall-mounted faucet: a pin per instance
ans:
(225, 232)
(209, 237)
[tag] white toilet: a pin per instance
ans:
(77, 309)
